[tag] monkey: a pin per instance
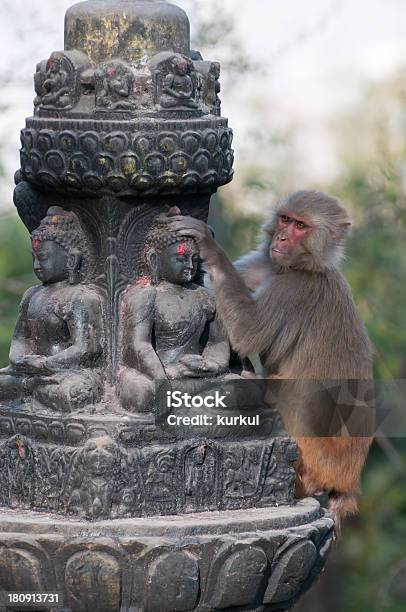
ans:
(288, 301)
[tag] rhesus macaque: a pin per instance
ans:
(288, 302)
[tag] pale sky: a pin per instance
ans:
(317, 56)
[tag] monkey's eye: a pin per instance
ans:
(300, 225)
(284, 218)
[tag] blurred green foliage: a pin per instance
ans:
(15, 275)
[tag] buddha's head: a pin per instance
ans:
(58, 246)
(180, 65)
(54, 65)
(117, 78)
(170, 257)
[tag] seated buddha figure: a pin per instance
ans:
(177, 89)
(56, 350)
(168, 328)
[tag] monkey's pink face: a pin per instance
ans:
(287, 242)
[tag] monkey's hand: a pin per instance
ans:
(199, 231)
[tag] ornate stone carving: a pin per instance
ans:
(114, 83)
(86, 161)
(169, 308)
(93, 478)
(103, 478)
(57, 80)
(203, 562)
(57, 348)
(175, 81)
(208, 87)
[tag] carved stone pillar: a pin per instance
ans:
(100, 501)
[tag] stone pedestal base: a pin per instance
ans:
(257, 559)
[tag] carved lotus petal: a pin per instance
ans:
(142, 145)
(27, 139)
(117, 182)
(89, 142)
(48, 178)
(129, 164)
(179, 162)
(55, 162)
(79, 163)
(142, 181)
(92, 181)
(201, 162)
(93, 581)
(291, 571)
(116, 142)
(210, 140)
(172, 583)
(45, 140)
(67, 141)
(168, 179)
(72, 181)
(104, 163)
(191, 142)
(155, 164)
(167, 143)
(191, 179)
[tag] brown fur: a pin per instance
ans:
(302, 319)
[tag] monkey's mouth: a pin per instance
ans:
(278, 251)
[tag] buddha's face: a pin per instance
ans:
(178, 263)
(180, 67)
(49, 261)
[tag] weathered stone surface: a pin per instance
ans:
(135, 161)
(259, 559)
(131, 29)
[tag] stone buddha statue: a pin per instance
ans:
(177, 89)
(57, 350)
(169, 328)
(55, 86)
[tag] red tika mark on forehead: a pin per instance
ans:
(35, 245)
(183, 248)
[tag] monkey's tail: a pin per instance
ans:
(342, 505)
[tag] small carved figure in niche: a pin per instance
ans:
(114, 84)
(178, 89)
(56, 350)
(169, 329)
(57, 81)
(208, 74)
(94, 475)
(55, 85)
(39, 78)
(214, 77)
(200, 477)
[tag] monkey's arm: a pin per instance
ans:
(254, 268)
